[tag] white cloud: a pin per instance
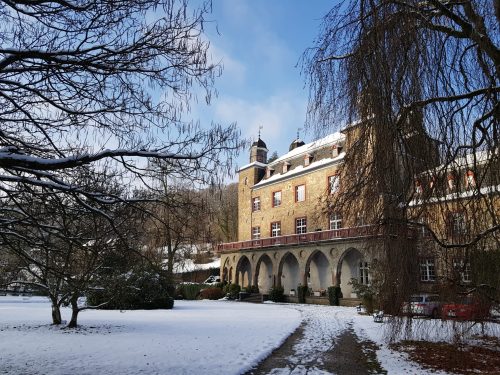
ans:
(234, 71)
(280, 115)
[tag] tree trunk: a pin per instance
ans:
(74, 312)
(56, 311)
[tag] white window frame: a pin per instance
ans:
(301, 225)
(300, 193)
(364, 273)
(427, 270)
(465, 272)
(255, 204)
(276, 200)
(335, 221)
(276, 229)
(256, 233)
(333, 183)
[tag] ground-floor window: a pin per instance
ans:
(427, 269)
(364, 270)
(463, 269)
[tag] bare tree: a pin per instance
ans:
(416, 84)
(104, 83)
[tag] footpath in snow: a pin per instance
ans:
(199, 337)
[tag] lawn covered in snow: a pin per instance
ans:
(196, 337)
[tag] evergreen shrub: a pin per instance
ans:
(334, 295)
(277, 294)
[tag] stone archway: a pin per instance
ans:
(289, 272)
(244, 272)
(264, 274)
(318, 271)
(349, 268)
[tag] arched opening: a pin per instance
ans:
(264, 274)
(352, 265)
(289, 273)
(318, 271)
(243, 272)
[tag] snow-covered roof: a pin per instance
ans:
(300, 169)
(253, 164)
(469, 160)
(458, 195)
(330, 139)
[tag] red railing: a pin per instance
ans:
(326, 235)
(295, 239)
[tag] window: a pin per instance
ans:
(423, 231)
(276, 198)
(255, 233)
(333, 183)
(269, 172)
(256, 204)
(456, 224)
(470, 180)
(301, 225)
(286, 166)
(276, 229)
(451, 182)
(463, 269)
(335, 221)
(418, 188)
(300, 193)
(364, 270)
(307, 160)
(427, 270)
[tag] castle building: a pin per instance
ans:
(287, 236)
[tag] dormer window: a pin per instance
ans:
(335, 151)
(451, 182)
(307, 159)
(269, 172)
(418, 188)
(286, 166)
(470, 180)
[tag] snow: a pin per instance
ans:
(301, 169)
(310, 147)
(187, 265)
(196, 337)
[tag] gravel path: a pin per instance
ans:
(323, 344)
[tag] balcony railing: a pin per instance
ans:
(318, 236)
(295, 239)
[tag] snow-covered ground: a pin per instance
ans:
(196, 337)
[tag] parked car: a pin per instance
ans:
(423, 305)
(212, 280)
(467, 308)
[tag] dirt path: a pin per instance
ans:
(346, 355)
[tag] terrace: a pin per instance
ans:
(313, 237)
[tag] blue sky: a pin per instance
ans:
(260, 43)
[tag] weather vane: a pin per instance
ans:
(260, 128)
(298, 133)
